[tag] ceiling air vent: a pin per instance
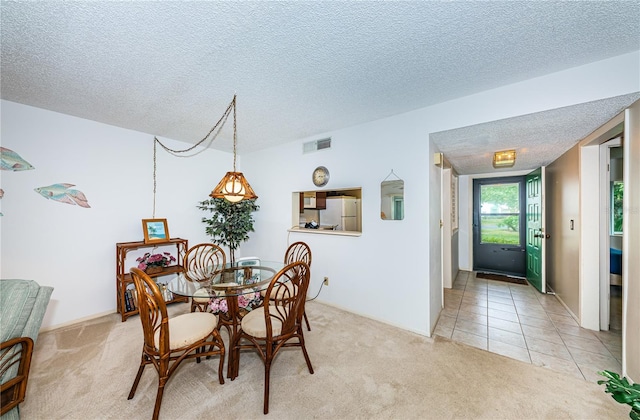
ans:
(312, 146)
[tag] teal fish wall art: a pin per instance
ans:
(64, 194)
(11, 161)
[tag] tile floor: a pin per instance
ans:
(519, 322)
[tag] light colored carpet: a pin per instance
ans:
(363, 370)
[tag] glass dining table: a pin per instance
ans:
(231, 292)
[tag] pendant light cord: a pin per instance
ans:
(215, 130)
(235, 137)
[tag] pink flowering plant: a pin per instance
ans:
(247, 302)
(155, 260)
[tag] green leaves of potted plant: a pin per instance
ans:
(230, 223)
(623, 392)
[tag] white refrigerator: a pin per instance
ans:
(342, 212)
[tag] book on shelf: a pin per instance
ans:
(127, 300)
(131, 299)
(134, 299)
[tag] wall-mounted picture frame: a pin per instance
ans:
(155, 230)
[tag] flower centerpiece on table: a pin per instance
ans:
(155, 262)
(246, 303)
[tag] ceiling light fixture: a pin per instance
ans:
(234, 187)
(504, 159)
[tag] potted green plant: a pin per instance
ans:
(230, 223)
(623, 392)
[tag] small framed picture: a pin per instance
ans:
(155, 230)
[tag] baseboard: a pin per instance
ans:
(423, 333)
(565, 306)
(75, 321)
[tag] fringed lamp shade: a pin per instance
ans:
(233, 187)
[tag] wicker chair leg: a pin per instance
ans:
(267, 370)
(304, 350)
(306, 320)
(137, 380)
(156, 409)
(306, 357)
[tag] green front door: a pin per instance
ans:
(535, 229)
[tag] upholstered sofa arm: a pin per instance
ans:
(23, 304)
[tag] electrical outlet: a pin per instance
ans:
(326, 281)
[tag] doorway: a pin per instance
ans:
(611, 221)
(499, 226)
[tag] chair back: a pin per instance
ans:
(153, 313)
(287, 302)
(247, 263)
(298, 251)
(203, 261)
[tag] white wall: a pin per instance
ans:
(563, 248)
(73, 248)
(391, 272)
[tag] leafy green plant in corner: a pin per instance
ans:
(230, 223)
(622, 391)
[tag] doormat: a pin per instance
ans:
(500, 277)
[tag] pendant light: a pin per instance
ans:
(234, 187)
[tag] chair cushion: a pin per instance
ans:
(187, 329)
(253, 324)
(280, 291)
(201, 296)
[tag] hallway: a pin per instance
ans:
(519, 322)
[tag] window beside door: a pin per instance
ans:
(500, 214)
(617, 192)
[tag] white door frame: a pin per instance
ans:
(445, 211)
(590, 209)
(605, 229)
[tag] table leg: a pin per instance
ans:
(233, 314)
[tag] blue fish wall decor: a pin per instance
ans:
(11, 161)
(63, 194)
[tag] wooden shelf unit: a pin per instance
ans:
(123, 277)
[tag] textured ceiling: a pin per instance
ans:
(299, 68)
(538, 138)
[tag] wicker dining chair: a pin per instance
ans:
(270, 327)
(201, 262)
(299, 251)
(169, 341)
